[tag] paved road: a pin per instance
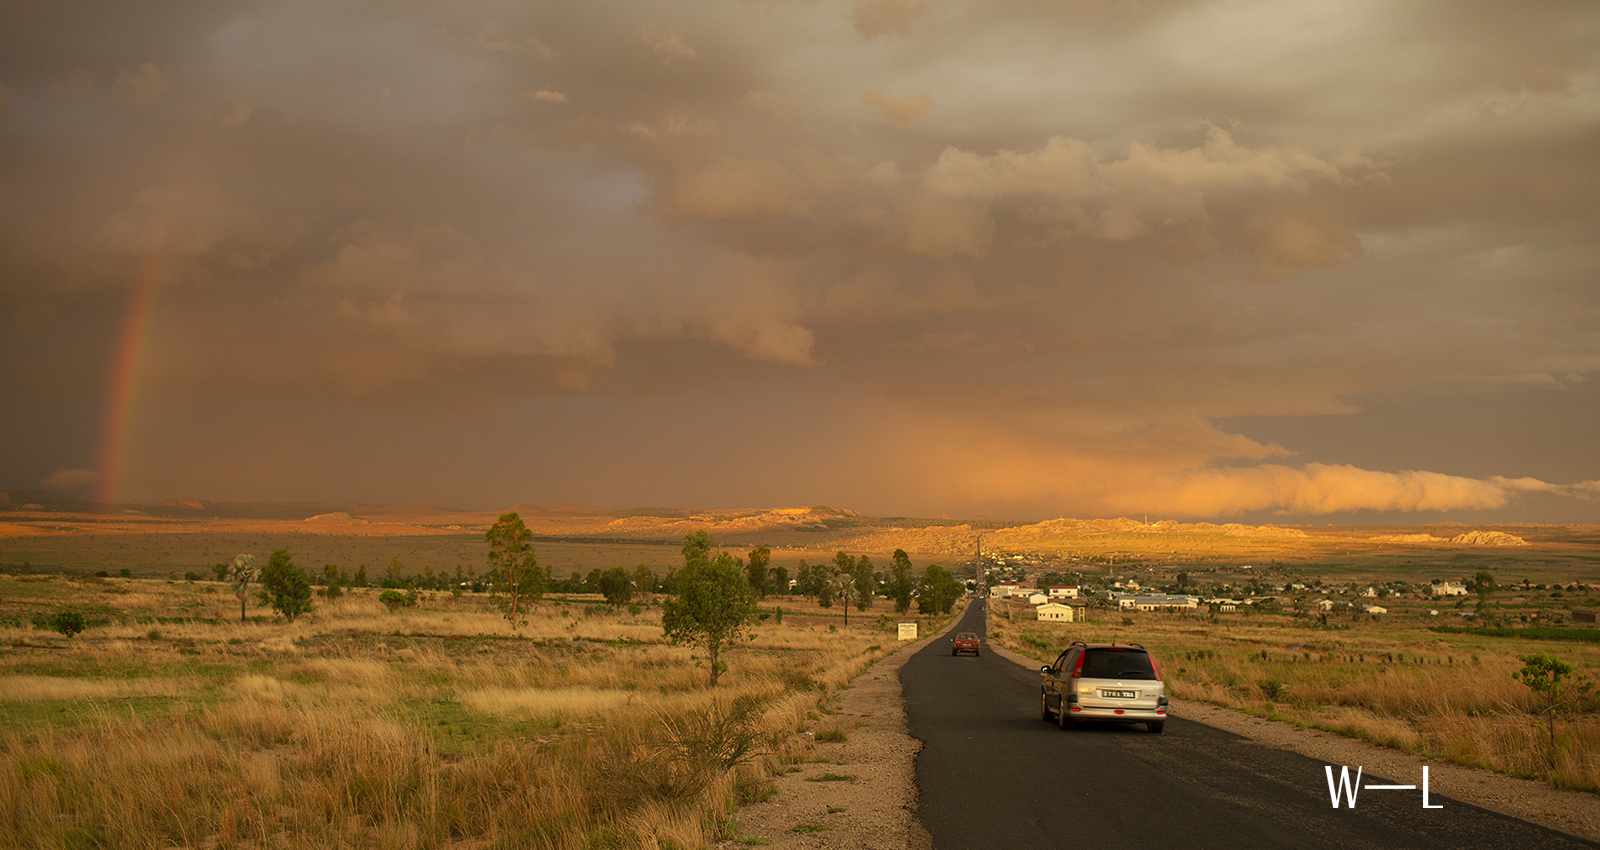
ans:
(993, 776)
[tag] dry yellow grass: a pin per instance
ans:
(354, 727)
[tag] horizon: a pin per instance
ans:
(1208, 261)
(666, 512)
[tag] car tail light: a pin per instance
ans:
(1154, 669)
(1077, 669)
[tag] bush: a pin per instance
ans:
(285, 586)
(68, 623)
(394, 600)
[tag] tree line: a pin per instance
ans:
(516, 577)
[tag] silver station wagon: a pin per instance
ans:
(1116, 682)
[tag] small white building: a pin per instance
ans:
(1375, 609)
(1037, 598)
(1063, 591)
(1323, 604)
(1054, 612)
(1449, 588)
(1370, 592)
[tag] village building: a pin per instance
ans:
(1054, 612)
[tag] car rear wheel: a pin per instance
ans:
(1044, 707)
(1157, 725)
(1064, 718)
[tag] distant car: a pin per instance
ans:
(964, 642)
(1117, 682)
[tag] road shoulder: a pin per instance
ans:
(876, 807)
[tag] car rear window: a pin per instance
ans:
(1117, 664)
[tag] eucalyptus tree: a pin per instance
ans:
(713, 604)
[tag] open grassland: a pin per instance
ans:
(170, 723)
(1392, 681)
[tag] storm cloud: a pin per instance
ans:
(1019, 258)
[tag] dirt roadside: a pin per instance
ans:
(876, 807)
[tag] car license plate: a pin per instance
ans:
(1117, 694)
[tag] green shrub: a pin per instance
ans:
(394, 600)
(68, 623)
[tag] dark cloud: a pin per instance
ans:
(1030, 258)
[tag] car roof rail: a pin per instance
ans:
(1076, 643)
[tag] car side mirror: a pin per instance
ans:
(1044, 669)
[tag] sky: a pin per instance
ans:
(1257, 261)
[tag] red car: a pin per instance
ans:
(964, 642)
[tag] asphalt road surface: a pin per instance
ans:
(993, 776)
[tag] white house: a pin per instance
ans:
(1323, 604)
(1037, 598)
(1063, 591)
(1155, 601)
(1055, 612)
(1375, 609)
(1449, 588)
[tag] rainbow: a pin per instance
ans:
(125, 370)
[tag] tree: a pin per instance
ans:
(803, 581)
(756, 571)
(221, 570)
(1545, 674)
(778, 580)
(902, 584)
(285, 586)
(822, 584)
(1484, 585)
(242, 573)
(395, 600)
(713, 604)
(616, 586)
(511, 554)
(844, 587)
(866, 584)
(938, 591)
(334, 580)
